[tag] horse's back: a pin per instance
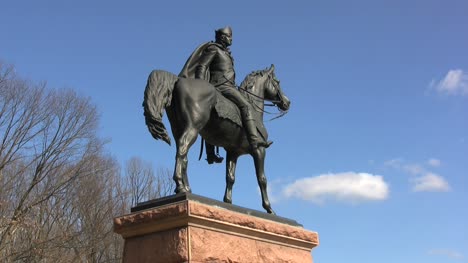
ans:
(196, 90)
(193, 99)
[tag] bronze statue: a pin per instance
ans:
(212, 61)
(213, 107)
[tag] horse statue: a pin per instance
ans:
(194, 106)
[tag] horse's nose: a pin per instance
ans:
(286, 103)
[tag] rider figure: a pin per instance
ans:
(215, 59)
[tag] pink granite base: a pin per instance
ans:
(165, 246)
(189, 231)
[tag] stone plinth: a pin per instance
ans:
(190, 228)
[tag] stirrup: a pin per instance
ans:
(214, 158)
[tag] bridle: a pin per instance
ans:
(279, 95)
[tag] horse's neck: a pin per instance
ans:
(258, 102)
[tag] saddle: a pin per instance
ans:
(228, 110)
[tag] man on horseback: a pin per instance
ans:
(212, 61)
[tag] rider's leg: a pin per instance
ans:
(247, 117)
(252, 134)
(211, 156)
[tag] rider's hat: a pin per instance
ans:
(226, 31)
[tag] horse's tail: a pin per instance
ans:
(158, 96)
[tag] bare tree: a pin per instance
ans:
(58, 190)
(95, 205)
(139, 177)
(143, 184)
(48, 139)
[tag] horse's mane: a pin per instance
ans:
(249, 81)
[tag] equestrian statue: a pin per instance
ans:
(205, 100)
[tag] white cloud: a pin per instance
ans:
(454, 83)
(434, 162)
(400, 164)
(430, 182)
(422, 179)
(447, 253)
(414, 169)
(348, 187)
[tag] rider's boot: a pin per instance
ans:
(252, 135)
(211, 156)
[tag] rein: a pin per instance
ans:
(260, 98)
(259, 109)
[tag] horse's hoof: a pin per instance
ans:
(269, 210)
(181, 190)
(226, 200)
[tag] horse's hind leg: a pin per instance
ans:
(184, 142)
(192, 101)
(231, 161)
(259, 160)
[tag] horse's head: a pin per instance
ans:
(273, 91)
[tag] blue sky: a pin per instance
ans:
(372, 154)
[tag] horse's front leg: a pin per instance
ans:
(184, 143)
(231, 161)
(258, 155)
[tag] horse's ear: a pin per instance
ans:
(272, 68)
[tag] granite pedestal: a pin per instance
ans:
(191, 228)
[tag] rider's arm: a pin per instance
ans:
(204, 62)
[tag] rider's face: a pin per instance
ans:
(227, 39)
